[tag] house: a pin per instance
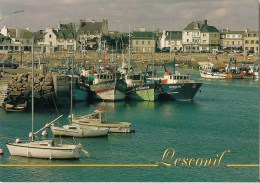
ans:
(251, 41)
(21, 39)
(199, 36)
(143, 41)
(63, 38)
(90, 33)
(231, 40)
(172, 40)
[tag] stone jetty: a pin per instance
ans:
(20, 85)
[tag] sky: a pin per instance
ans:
(125, 15)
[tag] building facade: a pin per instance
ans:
(198, 36)
(251, 42)
(143, 41)
(172, 40)
(231, 40)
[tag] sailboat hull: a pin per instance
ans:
(86, 132)
(38, 150)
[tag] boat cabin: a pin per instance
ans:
(102, 77)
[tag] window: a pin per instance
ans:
(238, 42)
(246, 42)
(233, 42)
(203, 35)
(187, 33)
(252, 41)
(142, 42)
(149, 42)
(50, 36)
(187, 40)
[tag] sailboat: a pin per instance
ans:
(74, 130)
(47, 149)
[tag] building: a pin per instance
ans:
(91, 32)
(231, 40)
(251, 41)
(63, 38)
(198, 36)
(143, 41)
(172, 40)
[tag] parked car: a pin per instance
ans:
(10, 64)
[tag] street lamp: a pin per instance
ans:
(19, 11)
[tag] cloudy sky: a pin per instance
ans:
(123, 15)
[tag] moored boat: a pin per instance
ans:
(138, 89)
(210, 71)
(175, 86)
(107, 87)
(74, 130)
(98, 119)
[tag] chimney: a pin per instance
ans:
(205, 22)
(17, 33)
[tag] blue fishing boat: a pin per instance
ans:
(174, 85)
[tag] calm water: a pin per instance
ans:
(224, 116)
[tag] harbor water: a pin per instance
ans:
(224, 116)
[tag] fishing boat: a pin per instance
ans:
(138, 89)
(107, 87)
(46, 149)
(98, 119)
(232, 71)
(80, 89)
(256, 69)
(175, 86)
(210, 71)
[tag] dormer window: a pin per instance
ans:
(196, 26)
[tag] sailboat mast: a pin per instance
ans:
(32, 87)
(71, 88)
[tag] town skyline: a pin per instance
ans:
(131, 15)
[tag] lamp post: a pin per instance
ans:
(19, 11)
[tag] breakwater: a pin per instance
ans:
(20, 85)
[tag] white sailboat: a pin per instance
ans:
(74, 130)
(47, 149)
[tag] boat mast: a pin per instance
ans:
(32, 86)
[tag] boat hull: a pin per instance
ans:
(109, 90)
(33, 151)
(180, 91)
(86, 132)
(144, 93)
(211, 75)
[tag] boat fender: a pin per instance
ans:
(17, 140)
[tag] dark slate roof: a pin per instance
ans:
(173, 35)
(24, 33)
(66, 34)
(201, 26)
(143, 35)
(66, 26)
(91, 27)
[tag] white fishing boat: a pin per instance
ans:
(98, 119)
(210, 71)
(74, 130)
(42, 148)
